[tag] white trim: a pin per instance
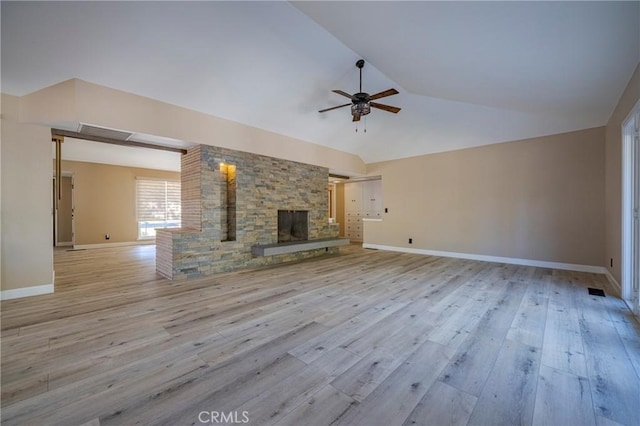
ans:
(627, 200)
(122, 244)
(334, 199)
(371, 219)
(17, 293)
(618, 288)
(634, 110)
(485, 258)
(65, 244)
(157, 179)
(628, 267)
(614, 283)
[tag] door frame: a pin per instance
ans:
(332, 200)
(56, 243)
(630, 262)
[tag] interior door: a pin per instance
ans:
(65, 212)
(631, 210)
(63, 223)
(635, 250)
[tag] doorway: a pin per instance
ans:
(331, 202)
(631, 210)
(63, 218)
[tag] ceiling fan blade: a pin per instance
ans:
(340, 92)
(356, 118)
(335, 107)
(389, 108)
(384, 94)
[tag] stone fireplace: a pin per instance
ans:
(293, 225)
(231, 202)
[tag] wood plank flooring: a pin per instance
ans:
(361, 338)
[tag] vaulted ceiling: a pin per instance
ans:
(469, 73)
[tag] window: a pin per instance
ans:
(157, 205)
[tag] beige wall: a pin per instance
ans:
(538, 199)
(613, 186)
(79, 101)
(104, 198)
(545, 200)
(26, 223)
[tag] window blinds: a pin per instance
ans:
(157, 200)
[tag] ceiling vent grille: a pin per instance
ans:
(104, 133)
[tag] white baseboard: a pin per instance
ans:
(618, 288)
(613, 282)
(106, 245)
(67, 244)
(497, 259)
(17, 293)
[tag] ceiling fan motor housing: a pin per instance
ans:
(360, 97)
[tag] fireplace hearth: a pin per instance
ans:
(293, 225)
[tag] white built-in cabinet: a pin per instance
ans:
(361, 200)
(372, 199)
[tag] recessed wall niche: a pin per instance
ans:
(228, 201)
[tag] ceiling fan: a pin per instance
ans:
(361, 102)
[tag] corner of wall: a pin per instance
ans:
(26, 198)
(51, 105)
(613, 175)
(9, 107)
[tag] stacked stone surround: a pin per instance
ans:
(263, 185)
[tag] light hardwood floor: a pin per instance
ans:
(361, 338)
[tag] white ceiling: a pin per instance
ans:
(102, 153)
(469, 73)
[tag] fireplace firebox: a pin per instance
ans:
(293, 225)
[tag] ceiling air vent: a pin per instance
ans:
(104, 133)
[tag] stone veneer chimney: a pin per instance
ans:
(230, 202)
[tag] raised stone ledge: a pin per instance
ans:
(295, 246)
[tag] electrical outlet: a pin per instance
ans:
(410, 240)
(107, 236)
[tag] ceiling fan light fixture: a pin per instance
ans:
(360, 108)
